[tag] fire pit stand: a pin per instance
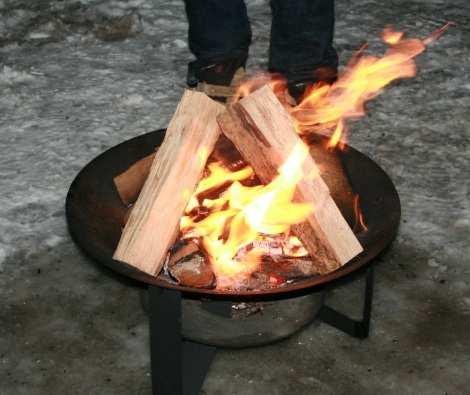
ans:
(179, 366)
(182, 345)
(355, 328)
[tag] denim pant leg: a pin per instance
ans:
(301, 37)
(218, 28)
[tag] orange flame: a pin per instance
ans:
(330, 106)
(242, 214)
(436, 34)
(391, 37)
(325, 108)
(218, 175)
(337, 135)
(275, 81)
(360, 224)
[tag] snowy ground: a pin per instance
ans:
(77, 77)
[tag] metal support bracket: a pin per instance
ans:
(178, 366)
(355, 328)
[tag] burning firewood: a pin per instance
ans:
(334, 174)
(226, 154)
(182, 250)
(153, 223)
(130, 182)
(264, 134)
(260, 185)
(329, 250)
(189, 267)
(283, 257)
(289, 268)
(275, 273)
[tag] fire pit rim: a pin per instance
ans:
(146, 144)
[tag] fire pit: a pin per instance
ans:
(187, 323)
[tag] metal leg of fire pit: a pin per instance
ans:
(178, 366)
(355, 328)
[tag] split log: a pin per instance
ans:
(130, 183)
(189, 267)
(154, 221)
(194, 272)
(180, 251)
(264, 134)
(334, 174)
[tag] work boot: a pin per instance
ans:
(213, 77)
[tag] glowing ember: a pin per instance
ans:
(241, 215)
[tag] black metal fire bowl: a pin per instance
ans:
(188, 324)
(95, 215)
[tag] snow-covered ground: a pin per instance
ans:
(77, 77)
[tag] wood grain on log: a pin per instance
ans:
(154, 221)
(264, 134)
(130, 182)
(334, 174)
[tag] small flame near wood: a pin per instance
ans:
(360, 225)
(326, 108)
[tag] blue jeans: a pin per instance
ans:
(301, 34)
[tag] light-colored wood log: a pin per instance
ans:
(130, 182)
(264, 134)
(335, 176)
(178, 165)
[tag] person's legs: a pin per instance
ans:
(301, 40)
(219, 33)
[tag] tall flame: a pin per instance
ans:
(325, 108)
(241, 214)
(331, 105)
